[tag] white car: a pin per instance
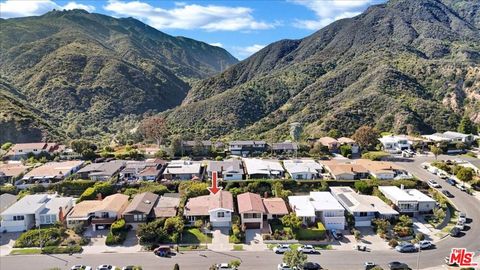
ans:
(462, 217)
(461, 187)
(307, 249)
(281, 249)
(434, 184)
(81, 267)
(284, 266)
(224, 266)
(424, 244)
(106, 267)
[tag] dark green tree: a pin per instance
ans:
(466, 126)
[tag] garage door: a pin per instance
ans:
(221, 224)
(336, 226)
(366, 223)
(252, 225)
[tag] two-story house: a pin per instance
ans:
(395, 144)
(230, 169)
(408, 201)
(140, 209)
(252, 210)
(245, 148)
(215, 208)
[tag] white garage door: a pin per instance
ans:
(367, 223)
(221, 224)
(334, 226)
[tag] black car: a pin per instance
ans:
(447, 193)
(311, 266)
(455, 232)
(398, 266)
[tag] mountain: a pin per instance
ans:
(405, 66)
(86, 70)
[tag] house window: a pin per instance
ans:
(138, 217)
(104, 214)
(191, 218)
(16, 218)
(363, 214)
(221, 214)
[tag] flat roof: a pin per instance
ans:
(301, 166)
(323, 200)
(262, 166)
(355, 202)
(397, 194)
(182, 167)
(301, 206)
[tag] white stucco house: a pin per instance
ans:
(408, 200)
(395, 143)
(319, 206)
(303, 169)
(33, 211)
(215, 208)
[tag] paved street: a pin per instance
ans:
(331, 259)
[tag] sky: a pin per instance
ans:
(240, 27)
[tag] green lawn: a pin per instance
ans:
(194, 236)
(237, 247)
(26, 251)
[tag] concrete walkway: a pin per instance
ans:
(220, 240)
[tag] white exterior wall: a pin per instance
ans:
(333, 219)
(344, 176)
(232, 176)
(252, 220)
(111, 214)
(384, 176)
(220, 221)
(302, 175)
(425, 206)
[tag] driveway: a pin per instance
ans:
(254, 240)
(220, 240)
(7, 240)
(97, 243)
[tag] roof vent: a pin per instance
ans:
(147, 202)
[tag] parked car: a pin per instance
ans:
(284, 266)
(224, 266)
(455, 232)
(307, 249)
(407, 247)
(280, 249)
(433, 184)
(424, 244)
(81, 267)
(451, 181)
(106, 267)
(442, 175)
(462, 217)
(162, 251)
(369, 265)
(337, 235)
(129, 267)
(461, 225)
(398, 266)
(311, 266)
(461, 187)
(447, 193)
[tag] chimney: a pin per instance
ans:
(265, 194)
(99, 196)
(402, 187)
(351, 168)
(61, 216)
(221, 169)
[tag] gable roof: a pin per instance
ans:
(28, 146)
(142, 203)
(6, 200)
(285, 146)
(230, 165)
(104, 168)
(53, 169)
(167, 205)
(202, 205)
(250, 202)
(12, 169)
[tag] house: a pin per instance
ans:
(301, 169)
(230, 169)
(216, 208)
(245, 148)
(99, 213)
(344, 169)
(382, 170)
(167, 205)
(451, 137)
(408, 201)
(284, 148)
(6, 200)
(140, 209)
(329, 142)
(262, 168)
(395, 143)
(319, 206)
(363, 208)
(347, 141)
(49, 173)
(21, 150)
(101, 171)
(150, 151)
(275, 207)
(34, 211)
(196, 147)
(12, 171)
(148, 170)
(182, 170)
(252, 210)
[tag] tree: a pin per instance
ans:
(466, 126)
(198, 148)
(346, 150)
(176, 148)
(294, 258)
(436, 151)
(154, 128)
(173, 227)
(234, 263)
(363, 187)
(405, 221)
(465, 174)
(357, 234)
(366, 137)
(291, 220)
(6, 146)
(334, 133)
(84, 148)
(176, 267)
(318, 149)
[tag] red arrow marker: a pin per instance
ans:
(214, 188)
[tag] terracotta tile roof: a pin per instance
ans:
(167, 205)
(142, 203)
(377, 166)
(327, 141)
(250, 202)
(28, 146)
(82, 209)
(115, 203)
(275, 206)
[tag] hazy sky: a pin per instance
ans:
(241, 27)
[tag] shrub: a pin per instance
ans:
(420, 236)
(61, 249)
(72, 187)
(8, 189)
(376, 156)
(104, 188)
(118, 226)
(32, 238)
(6, 146)
(198, 223)
(393, 243)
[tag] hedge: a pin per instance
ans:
(118, 226)
(117, 234)
(48, 236)
(62, 249)
(72, 187)
(91, 193)
(8, 189)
